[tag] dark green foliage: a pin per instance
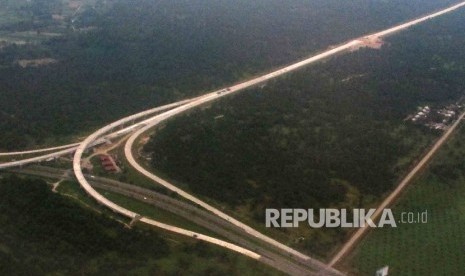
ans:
(332, 135)
(143, 55)
(433, 248)
(42, 232)
(305, 140)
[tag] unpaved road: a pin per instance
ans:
(349, 245)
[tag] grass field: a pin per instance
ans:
(434, 248)
(73, 189)
(156, 213)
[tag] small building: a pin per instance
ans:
(110, 168)
(108, 163)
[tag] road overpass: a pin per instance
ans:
(233, 89)
(190, 104)
(71, 148)
(27, 152)
(131, 214)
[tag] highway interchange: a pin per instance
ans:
(298, 264)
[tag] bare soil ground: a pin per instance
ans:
(36, 62)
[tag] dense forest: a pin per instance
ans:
(43, 233)
(118, 58)
(331, 135)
